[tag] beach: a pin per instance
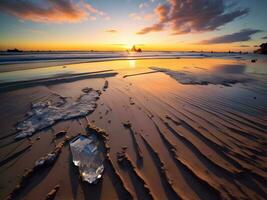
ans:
(188, 125)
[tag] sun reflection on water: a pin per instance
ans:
(132, 63)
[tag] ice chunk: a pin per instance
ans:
(87, 156)
(49, 158)
(45, 114)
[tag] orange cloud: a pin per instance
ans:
(48, 11)
(137, 17)
(162, 13)
(93, 10)
(111, 31)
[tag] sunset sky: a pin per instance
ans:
(218, 25)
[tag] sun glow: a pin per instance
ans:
(132, 63)
(128, 46)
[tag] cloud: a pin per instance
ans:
(111, 31)
(143, 5)
(90, 8)
(36, 31)
(155, 27)
(93, 10)
(243, 45)
(48, 11)
(139, 17)
(243, 35)
(162, 13)
(122, 44)
(193, 16)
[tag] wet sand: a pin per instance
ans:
(184, 140)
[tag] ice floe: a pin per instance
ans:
(46, 113)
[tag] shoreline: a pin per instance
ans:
(50, 61)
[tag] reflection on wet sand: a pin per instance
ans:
(181, 141)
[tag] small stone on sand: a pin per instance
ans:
(60, 134)
(87, 90)
(127, 124)
(254, 60)
(52, 194)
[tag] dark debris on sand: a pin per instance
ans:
(52, 194)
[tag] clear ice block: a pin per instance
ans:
(87, 156)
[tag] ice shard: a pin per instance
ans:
(88, 157)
